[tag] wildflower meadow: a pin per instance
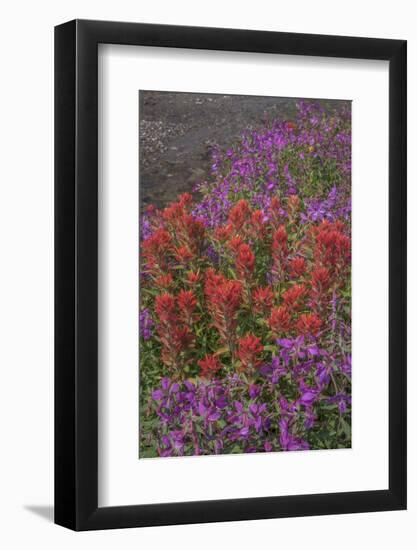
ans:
(245, 297)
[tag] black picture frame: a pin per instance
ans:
(76, 272)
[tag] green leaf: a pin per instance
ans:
(270, 347)
(221, 351)
(346, 428)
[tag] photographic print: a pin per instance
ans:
(245, 274)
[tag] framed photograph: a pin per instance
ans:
(230, 254)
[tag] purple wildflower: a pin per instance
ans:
(146, 324)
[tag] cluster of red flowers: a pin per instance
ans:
(223, 298)
(283, 318)
(294, 297)
(309, 323)
(304, 272)
(178, 238)
(243, 221)
(249, 352)
(297, 267)
(209, 366)
(332, 248)
(155, 250)
(279, 251)
(280, 320)
(263, 298)
(240, 214)
(245, 261)
(176, 316)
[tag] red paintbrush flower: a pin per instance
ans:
(173, 212)
(279, 253)
(175, 337)
(245, 261)
(309, 323)
(320, 285)
(249, 350)
(175, 342)
(263, 298)
(212, 281)
(164, 281)
(187, 230)
(274, 211)
(183, 254)
(280, 320)
(191, 230)
(258, 224)
(320, 279)
(165, 307)
(280, 240)
(235, 243)
(187, 302)
(209, 366)
(257, 218)
(332, 248)
(224, 297)
(182, 337)
(155, 249)
(297, 267)
(229, 296)
(185, 199)
(294, 296)
(222, 292)
(223, 233)
(239, 214)
(193, 277)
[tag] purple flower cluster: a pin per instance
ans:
(214, 417)
(332, 208)
(262, 164)
(146, 324)
(230, 415)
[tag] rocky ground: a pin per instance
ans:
(178, 130)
